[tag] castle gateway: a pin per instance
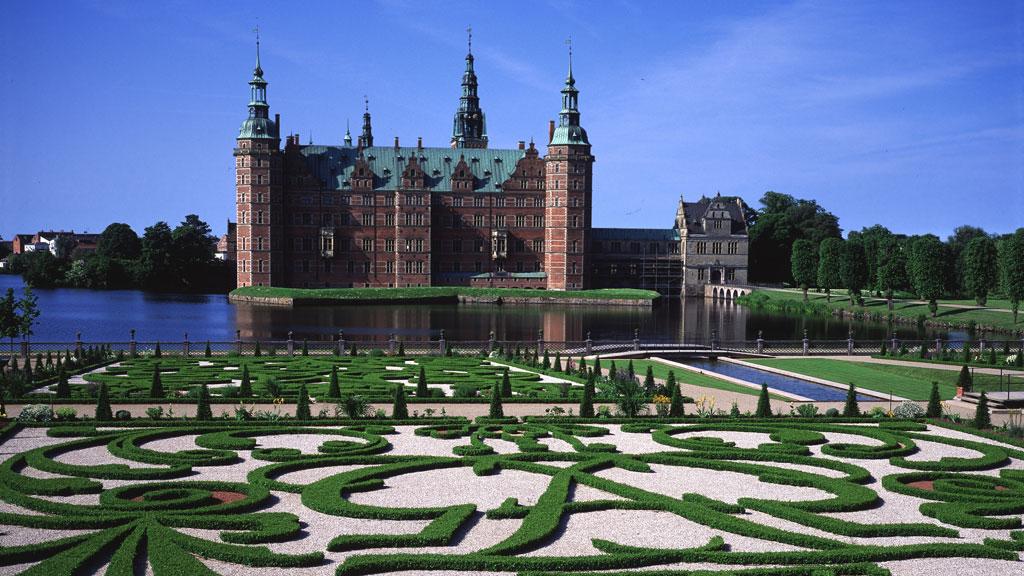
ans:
(362, 215)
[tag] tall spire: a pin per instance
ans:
(569, 130)
(469, 128)
(366, 138)
(348, 135)
(258, 124)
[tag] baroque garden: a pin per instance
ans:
(283, 462)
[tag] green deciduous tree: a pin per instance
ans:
(892, 268)
(119, 241)
(979, 268)
(804, 265)
(927, 266)
(774, 228)
(830, 257)
(853, 269)
(1011, 269)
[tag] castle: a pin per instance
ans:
(363, 215)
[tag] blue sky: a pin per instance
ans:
(906, 114)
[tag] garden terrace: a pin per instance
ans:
(554, 496)
(370, 376)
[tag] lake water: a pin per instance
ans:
(103, 316)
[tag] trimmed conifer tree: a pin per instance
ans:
(851, 409)
(305, 347)
(495, 411)
(885, 349)
(506, 385)
(63, 390)
(256, 349)
(992, 355)
(557, 365)
(421, 384)
(630, 370)
(399, 408)
(934, 409)
(156, 351)
(649, 384)
(582, 366)
(764, 404)
(1019, 362)
(302, 404)
(597, 365)
(401, 348)
(353, 351)
(546, 364)
(675, 407)
(334, 389)
(612, 371)
(587, 402)
(670, 382)
(203, 410)
(245, 388)
(156, 387)
(965, 380)
(103, 411)
(982, 416)
(207, 352)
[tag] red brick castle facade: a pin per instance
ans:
(360, 215)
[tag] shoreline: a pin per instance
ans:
(296, 297)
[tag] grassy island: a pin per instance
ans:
(314, 296)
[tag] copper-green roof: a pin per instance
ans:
(334, 165)
(567, 135)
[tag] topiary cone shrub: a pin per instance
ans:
(156, 387)
(587, 402)
(302, 404)
(506, 385)
(207, 352)
(934, 409)
(965, 380)
(675, 407)
(982, 416)
(851, 409)
(103, 412)
(245, 389)
(421, 384)
(203, 410)
(764, 405)
(63, 389)
(400, 409)
(334, 389)
(495, 410)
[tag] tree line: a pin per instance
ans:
(798, 242)
(162, 259)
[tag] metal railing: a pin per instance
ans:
(341, 345)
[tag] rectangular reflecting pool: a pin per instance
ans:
(797, 386)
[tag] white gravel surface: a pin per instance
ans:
(451, 486)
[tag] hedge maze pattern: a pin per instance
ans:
(208, 499)
(369, 376)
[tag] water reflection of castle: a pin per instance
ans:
(685, 319)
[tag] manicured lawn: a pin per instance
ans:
(906, 381)
(439, 292)
(792, 300)
(685, 376)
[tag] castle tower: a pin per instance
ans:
(366, 138)
(469, 129)
(258, 166)
(569, 172)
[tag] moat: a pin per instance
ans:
(110, 315)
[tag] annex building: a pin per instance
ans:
(359, 214)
